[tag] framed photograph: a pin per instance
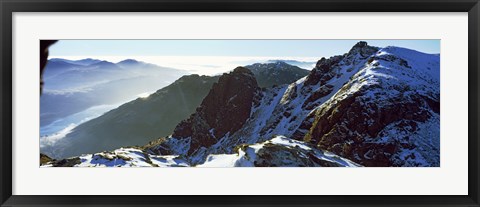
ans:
(239, 103)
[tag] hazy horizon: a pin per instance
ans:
(202, 65)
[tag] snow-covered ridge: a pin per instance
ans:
(294, 154)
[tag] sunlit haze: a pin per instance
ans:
(202, 65)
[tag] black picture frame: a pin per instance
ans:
(7, 7)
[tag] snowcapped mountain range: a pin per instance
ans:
(368, 107)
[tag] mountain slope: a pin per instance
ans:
(137, 122)
(302, 64)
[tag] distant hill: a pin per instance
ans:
(276, 73)
(84, 62)
(302, 64)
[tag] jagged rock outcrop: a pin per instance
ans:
(224, 110)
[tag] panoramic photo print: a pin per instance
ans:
(239, 103)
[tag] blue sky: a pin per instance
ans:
(286, 48)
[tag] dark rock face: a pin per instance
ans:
(321, 92)
(351, 127)
(224, 110)
(323, 70)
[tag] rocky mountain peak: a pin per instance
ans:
(325, 68)
(224, 110)
(363, 49)
(360, 44)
